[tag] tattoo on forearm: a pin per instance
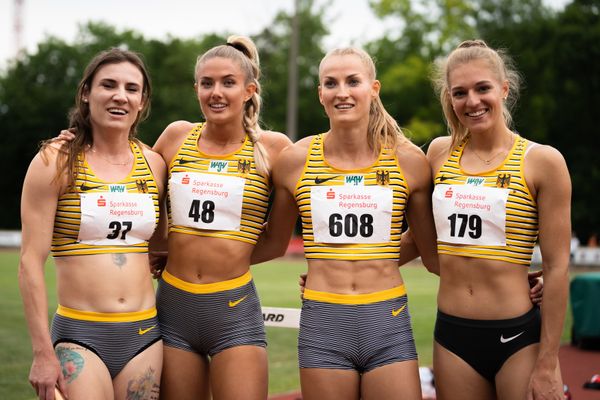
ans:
(144, 387)
(71, 362)
(119, 260)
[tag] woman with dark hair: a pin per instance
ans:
(94, 204)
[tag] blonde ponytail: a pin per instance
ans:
(241, 49)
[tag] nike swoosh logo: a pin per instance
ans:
(182, 161)
(398, 311)
(85, 188)
(444, 177)
(318, 180)
(236, 302)
(144, 331)
(508, 339)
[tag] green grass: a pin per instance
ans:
(277, 283)
(15, 347)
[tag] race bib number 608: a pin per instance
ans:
(345, 214)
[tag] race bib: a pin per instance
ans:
(348, 214)
(467, 214)
(206, 201)
(116, 219)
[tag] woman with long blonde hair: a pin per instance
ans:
(354, 187)
(219, 185)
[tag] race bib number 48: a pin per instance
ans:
(466, 214)
(206, 201)
(116, 219)
(347, 214)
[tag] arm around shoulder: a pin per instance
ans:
(275, 142)
(438, 152)
(171, 139)
(286, 171)
(418, 211)
(158, 168)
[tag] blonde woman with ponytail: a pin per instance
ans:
(495, 194)
(219, 185)
(353, 187)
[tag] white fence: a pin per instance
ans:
(10, 238)
(582, 256)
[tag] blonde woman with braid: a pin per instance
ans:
(495, 194)
(353, 186)
(219, 184)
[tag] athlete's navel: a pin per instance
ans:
(470, 289)
(353, 287)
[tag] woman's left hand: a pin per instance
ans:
(544, 385)
(536, 285)
(158, 261)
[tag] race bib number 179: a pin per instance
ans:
(466, 214)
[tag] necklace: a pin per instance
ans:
(489, 160)
(109, 161)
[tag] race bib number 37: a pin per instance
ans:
(345, 214)
(206, 201)
(466, 214)
(116, 219)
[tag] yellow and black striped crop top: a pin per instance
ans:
(66, 238)
(348, 213)
(521, 219)
(209, 208)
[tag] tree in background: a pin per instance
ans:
(557, 52)
(37, 92)
(274, 46)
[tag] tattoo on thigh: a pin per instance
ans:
(144, 387)
(71, 362)
(119, 260)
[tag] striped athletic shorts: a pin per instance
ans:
(359, 332)
(209, 318)
(114, 337)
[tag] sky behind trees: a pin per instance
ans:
(350, 21)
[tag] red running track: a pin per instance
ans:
(578, 366)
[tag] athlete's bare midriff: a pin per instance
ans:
(201, 259)
(477, 288)
(352, 277)
(106, 283)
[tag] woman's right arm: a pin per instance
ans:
(171, 138)
(274, 240)
(157, 245)
(38, 208)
